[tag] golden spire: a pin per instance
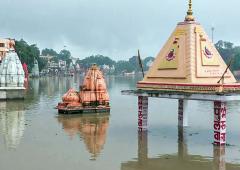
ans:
(189, 16)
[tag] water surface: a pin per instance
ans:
(34, 136)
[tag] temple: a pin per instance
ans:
(93, 95)
(35, 69)
(189, 67)
(11, 72)
(189, 62)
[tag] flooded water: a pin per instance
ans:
(34, 137)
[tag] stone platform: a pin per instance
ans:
(219, 101)
(184, 95)
(9, 93)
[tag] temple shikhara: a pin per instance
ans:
(189, 62)
(12, 75)
(189, 67)
(93, 95)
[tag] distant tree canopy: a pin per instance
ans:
(146, 61)
(48, 51)
(228, 51)
(96, 59)
(123, 66)
(27, 53)
(65, 55)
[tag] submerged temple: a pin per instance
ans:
(189, 61)
(35, 69)
(11, 73)
(189, 67)
(93, 95)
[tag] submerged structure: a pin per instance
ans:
(93, 95)
(11, 75)
(35, 70)
(189, 67)
(189, 62)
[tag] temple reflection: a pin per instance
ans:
(12, 123)
(179, 161)
(92, 128)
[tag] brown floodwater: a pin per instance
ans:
(34, 137)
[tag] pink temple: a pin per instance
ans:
(93, 95)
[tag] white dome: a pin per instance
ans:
(11, 71)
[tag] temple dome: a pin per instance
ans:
(94, 80)
(94, 87)
(71, 96)
(11, 71)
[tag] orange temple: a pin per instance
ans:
(93, 95)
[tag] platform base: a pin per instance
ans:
(191, 87)
(82, 110)
(11, 94)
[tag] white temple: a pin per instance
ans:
(11, 76)
(35, 70)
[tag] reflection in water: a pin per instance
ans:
(92, 128)
(12, 122)
(180, 161)
(182, 143)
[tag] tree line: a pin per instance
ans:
(27, 53)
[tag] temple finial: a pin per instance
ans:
(189, 16)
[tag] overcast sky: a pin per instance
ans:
(116, 28)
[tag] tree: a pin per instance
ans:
(225, 49)
(133, 61)
(228, 51)
(100, 60)
(27, 54)
(146, 61)
(64, 55)
(236, 62)
(48, 51)
(123, 66)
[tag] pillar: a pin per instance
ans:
(219, 158)
(142, 113)
(142, 147)
(219, 125)
(182, 143)
(182, 114)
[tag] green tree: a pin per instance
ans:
(123, 66)
(48, 51)
(64, 55)
(225, 49)
(100, 60)
(228, 51)
(27, 53)
(146, 61)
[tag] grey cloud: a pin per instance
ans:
(113, 27)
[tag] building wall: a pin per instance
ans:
(5, 46)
